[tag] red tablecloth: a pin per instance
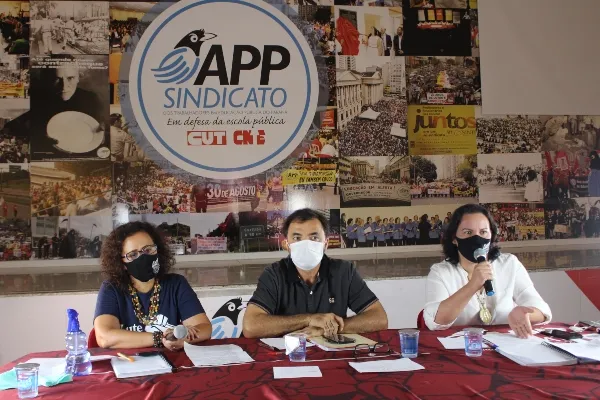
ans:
(448, 374)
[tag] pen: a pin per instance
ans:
(124, 357)
(266, 346)
(490, 344)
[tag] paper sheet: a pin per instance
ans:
(455, 343)
(581, 349)
(399, 365)
(279, 343)
(296, 372)
(205, 356)
(529, 352)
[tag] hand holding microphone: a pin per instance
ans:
(180, 332)
(484, 271)
(173, 338)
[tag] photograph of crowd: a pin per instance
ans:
(14, 136)
(15, 239)
(69, 237)
(510, 178)
(443, 179)
(397, 226)
(441, 27)
(174, 227)
(14, 82)
(14, 27)
(246, 194)
(518, 221)
(371, 32)
(15, 199)
(70, 188)
(372, 110)
(443, 80)
(145, 188)
(214, 233)
(69, 27)
(375, 181)
(508, 134)
(316, 22)
(126, 26)
(69, 110)
(275, 220)
(571, 174)
(573, 218)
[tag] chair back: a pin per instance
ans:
(92, 342)
(421, 325)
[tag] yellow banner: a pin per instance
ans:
(523, 230)
(435, 130)
(303, 177)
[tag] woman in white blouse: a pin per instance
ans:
(455, 293)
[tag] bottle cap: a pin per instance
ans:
(73, 325)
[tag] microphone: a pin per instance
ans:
(180, 332)
(480, 255)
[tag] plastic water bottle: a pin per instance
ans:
(78, 356)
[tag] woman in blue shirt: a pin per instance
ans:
(140, 302)
(351, 233)
(360, 233)
(403, 227)
(379, 232)
(397, 235)
(434, 233)
(411, 230)
(371, 234)
(390, 229)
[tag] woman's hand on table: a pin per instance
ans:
(519, 321)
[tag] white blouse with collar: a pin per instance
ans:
(512, 285)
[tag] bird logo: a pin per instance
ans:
(174, 68)
(226, 318)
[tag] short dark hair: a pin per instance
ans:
(450, 250)
(303, 215)
(111, 260)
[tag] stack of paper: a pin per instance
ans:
(528, 352)
(210, 356)
(398, 365)
(141, 366)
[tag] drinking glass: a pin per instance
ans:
(27, 380)
(299, 352)
(409, 343)
(473, 342)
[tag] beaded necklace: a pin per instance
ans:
(137, 306)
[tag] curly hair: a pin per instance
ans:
(111, 260)
(450, 250)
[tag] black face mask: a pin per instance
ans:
(144, 268)
(467, 246)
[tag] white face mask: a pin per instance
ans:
(307, 254)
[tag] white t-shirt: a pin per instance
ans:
(512, 285)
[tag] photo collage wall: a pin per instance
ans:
(402, 141)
